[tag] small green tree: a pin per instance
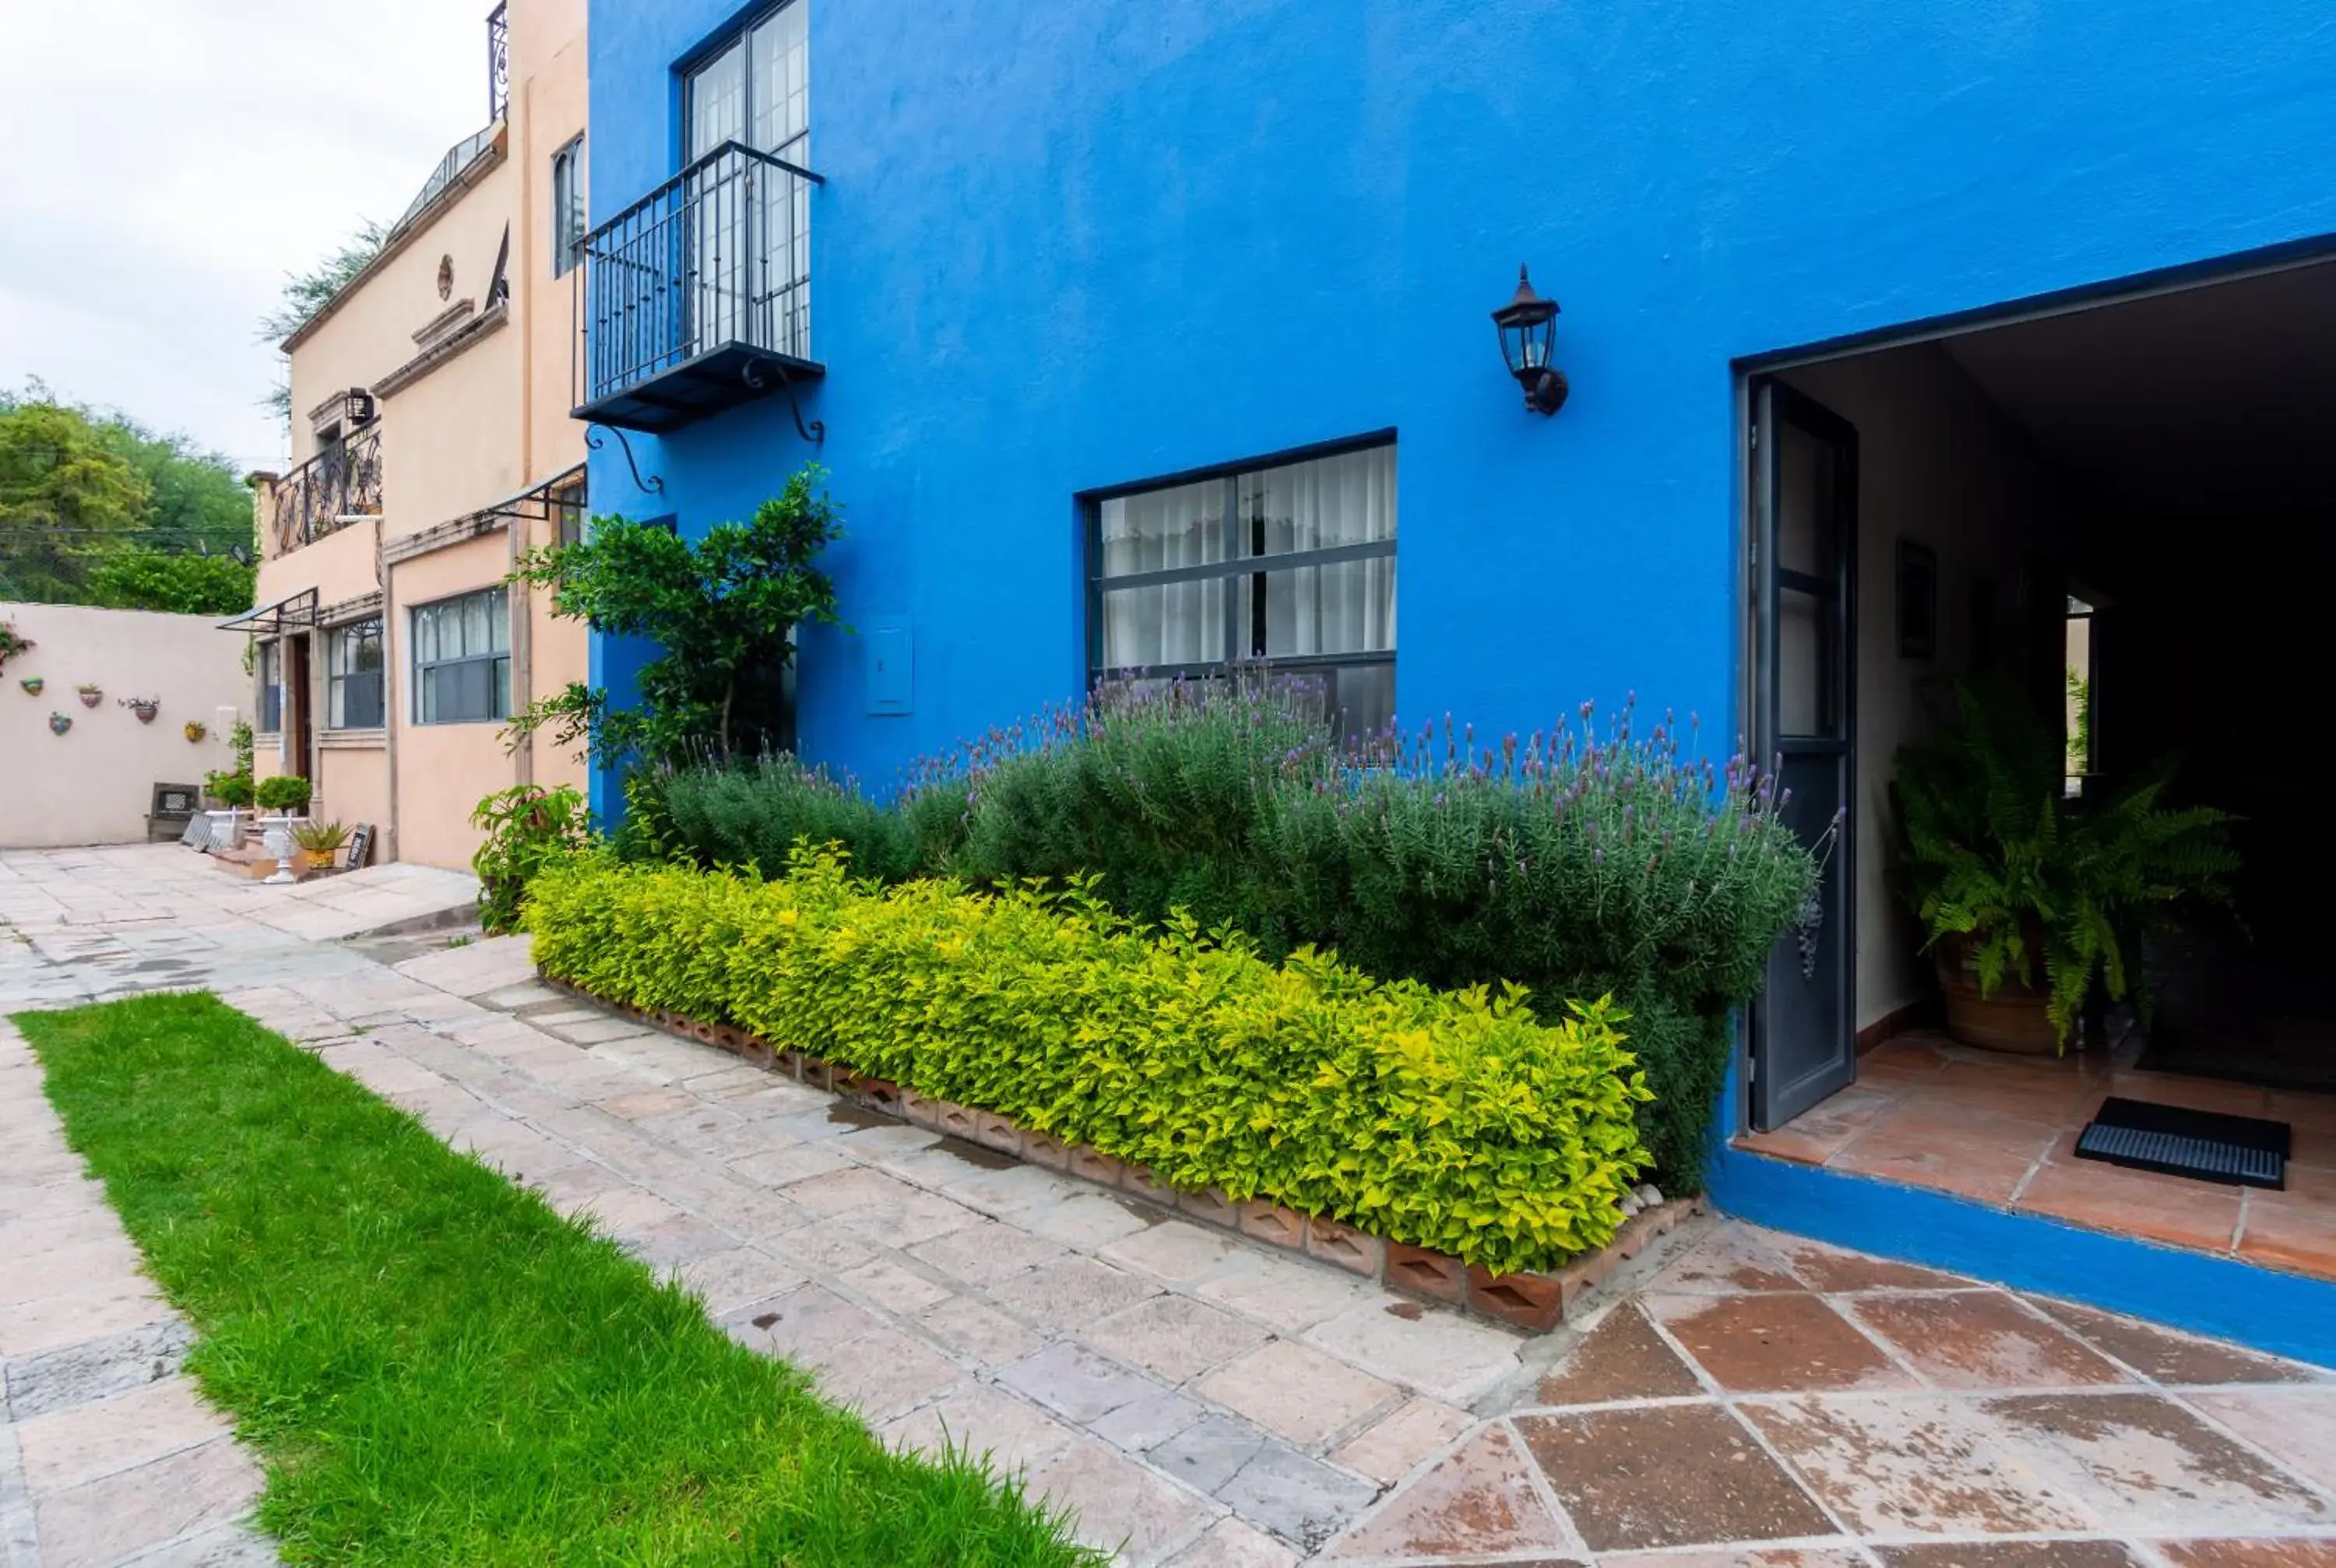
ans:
(722, 610)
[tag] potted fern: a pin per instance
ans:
(2034, 905)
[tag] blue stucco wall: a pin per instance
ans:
(1080, 243)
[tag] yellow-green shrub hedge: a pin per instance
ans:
(1449, 1120)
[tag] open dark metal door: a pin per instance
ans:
(1804, 1042)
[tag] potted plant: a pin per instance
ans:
(285, 794)
(33, 685)
(320, 844)
(2033, 904)
(145, 707)
(12, 643)
(196, 731)
(231, 789)
(59, 722)
(92, 694)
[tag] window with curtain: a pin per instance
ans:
(567, 207)
(269, 668)
(462, 659)
(754, 90)
(353, 676)
(1289, 567)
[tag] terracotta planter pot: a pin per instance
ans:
(2013, 1019)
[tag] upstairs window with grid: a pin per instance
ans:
(1289, 567)
(567, 207)
(353, 686)
(462, 659)
(750, 236)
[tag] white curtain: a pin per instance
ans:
(717, 113)
(779, 122)
(1169, 623)
(1346, 607)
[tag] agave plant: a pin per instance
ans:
(323, 840)
(1992, 854)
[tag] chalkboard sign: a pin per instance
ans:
(360, 845)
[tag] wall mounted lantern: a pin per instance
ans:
(357, 407)
(1528, 325)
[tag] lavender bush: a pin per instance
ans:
(1587, 860)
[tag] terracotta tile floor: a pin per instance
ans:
(1771, 1402)
(2001, 1130)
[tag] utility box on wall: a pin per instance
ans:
(892, 663)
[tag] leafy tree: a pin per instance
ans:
(65, 496)
(97, 509)
(200, 502)
(306, 293)
(141, 577)
(723, 611)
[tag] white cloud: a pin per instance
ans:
(170, 161)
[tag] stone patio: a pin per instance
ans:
(1196, 1400)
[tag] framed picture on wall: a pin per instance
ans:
(1918, 601)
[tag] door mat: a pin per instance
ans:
(2204, 1145)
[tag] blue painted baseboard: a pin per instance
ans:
(2285, 1314)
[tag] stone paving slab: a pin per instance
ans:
(1197, 1399)
(108, 1453)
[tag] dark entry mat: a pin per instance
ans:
(2204, 1146)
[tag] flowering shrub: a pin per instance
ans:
(1450, 1120)
(1589, 860)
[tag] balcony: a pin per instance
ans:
(338, 486)
(697, 298)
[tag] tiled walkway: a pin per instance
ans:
(1200, 1401)
(2001, 1130)
(1842, 1410)
(107, 1452)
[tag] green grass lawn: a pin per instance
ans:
(438, 1369)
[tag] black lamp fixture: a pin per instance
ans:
(356, 407)
(1528, 324)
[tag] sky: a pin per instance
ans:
(167, 162)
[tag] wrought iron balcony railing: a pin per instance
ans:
(338, 486)
(498, 62)
(697, 297)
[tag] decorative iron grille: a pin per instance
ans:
(718, 255)
(498, 62)
(338, 486)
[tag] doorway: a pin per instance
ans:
(2115, 508)
(298, 706)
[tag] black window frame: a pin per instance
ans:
(795, 148)
(1237, 561)
(567, 207)
(496, 656)
(567, 505)
(268, 669)
(363, 691)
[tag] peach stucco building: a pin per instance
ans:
(432, 444)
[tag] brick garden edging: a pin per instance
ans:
(1536, 1302)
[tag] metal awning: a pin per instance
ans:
(562, 491)
(293, 612)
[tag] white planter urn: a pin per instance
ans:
(276, 840)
